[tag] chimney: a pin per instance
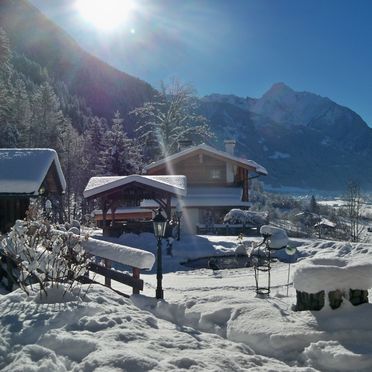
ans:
(184, 144)
(230, 146)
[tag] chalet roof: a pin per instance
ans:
(22, 171)
(172, 184)
(208, 149)
(325, 223)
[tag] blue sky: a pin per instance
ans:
(239, 47)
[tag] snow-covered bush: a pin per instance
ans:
(248, 218)
(44, 255)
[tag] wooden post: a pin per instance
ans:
(136, 275)
(108, 266)
(245, 196)
(168, 209)
(105, 229)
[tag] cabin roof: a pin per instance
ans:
(250, 164)
(22, 171)
(173, 184)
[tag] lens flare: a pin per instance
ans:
(105, 14)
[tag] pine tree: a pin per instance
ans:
(5, 55)
(313, 207)
(8, 135)
(6, 91)
(121, 156)
(47, 119)
(21, 112)
(93, 147)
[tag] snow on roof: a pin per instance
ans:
(244, 162)
(207, 197)
(325, 222)
(22, 171)
(328, 274)
(172, 184)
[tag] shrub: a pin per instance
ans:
(44, 255)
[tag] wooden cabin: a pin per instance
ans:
(217, 181)
(25, 174)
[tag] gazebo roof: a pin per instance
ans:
(143, 186)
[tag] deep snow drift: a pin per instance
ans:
(209, 320)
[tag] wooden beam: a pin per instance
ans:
(135, 283)
(136, 275)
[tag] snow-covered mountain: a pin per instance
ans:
(304, 140)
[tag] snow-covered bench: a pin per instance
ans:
(323, 281)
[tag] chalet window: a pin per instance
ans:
(215, 174)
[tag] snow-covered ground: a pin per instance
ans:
(209, 321)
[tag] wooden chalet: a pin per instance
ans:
(25, 174)
(217, 181)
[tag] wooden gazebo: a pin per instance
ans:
(115, 191)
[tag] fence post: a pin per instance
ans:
(136, 275)
(108, 265)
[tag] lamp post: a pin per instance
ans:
(178, 214)
(160, 224)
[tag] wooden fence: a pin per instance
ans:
(107, 251)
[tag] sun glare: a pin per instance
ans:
(104, 14)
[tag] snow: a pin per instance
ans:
(22, 171)
(328, 274)
(277, 237)
(120, 253)
(209, 320)
(173, 184)
(325, 222)
(244, 217)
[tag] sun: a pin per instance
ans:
(104, 14)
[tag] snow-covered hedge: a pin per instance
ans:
(239, 216)
(329, 274)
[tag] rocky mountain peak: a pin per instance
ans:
(279, 90)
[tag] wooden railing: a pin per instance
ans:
(100, 251)
(109, 274)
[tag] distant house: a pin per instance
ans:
(25, 174)
(217, 181)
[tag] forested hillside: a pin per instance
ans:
(73, 71)
(37, 110)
